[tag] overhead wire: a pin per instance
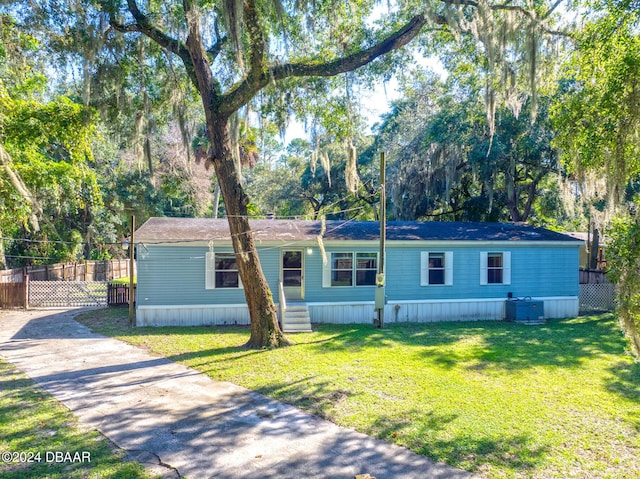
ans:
(294, 243)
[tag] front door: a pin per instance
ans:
(293, 274)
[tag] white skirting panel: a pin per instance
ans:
(429, 311)
(192, 315)
(356, 312)
(434, 310)
(408, 311)
(561, 307)
(342, 313)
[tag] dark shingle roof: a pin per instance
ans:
(157, 230)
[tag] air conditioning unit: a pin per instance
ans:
(524, 309)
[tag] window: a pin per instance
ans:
(366, 269)
(495, 267)
(436, 268)
(292, 268)
(222, 271)
(350, 269)
(341, 269)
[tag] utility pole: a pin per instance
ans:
(380, 299)
(131, 272)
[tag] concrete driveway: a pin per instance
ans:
(168, 416)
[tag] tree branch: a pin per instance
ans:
(258, 48)
(143, 25)
(215, 50)
(242, 92)
(516, 8)
(552, 9)
(208, 87)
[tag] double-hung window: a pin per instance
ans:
(222, 271)
(350, 269)
(495, 267)
(341, 269)
(436, 268)
(366, 269)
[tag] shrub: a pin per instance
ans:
(624, 260)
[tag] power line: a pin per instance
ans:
(26, 240)
(287, 244)
(28, 257)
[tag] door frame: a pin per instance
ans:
(291, 292)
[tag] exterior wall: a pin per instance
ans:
(171, 284)
(175, 275)
(192, 315)
(355, 312)
(535, 271)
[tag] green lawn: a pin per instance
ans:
(500, 399)
(44, 431)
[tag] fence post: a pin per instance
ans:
(26, 292)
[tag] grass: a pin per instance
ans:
(500, 399)
(35, 424)
(124, 280)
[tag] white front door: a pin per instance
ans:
(292, 274)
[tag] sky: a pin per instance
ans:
(377, 102)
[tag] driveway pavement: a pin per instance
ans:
(168, 416)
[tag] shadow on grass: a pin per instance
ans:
(511, 346)
(230, 353)
(311, 394)
(426, 434)
(495, 344)
(625, 381)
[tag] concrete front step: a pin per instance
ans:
(296, 319)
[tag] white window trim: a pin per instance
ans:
(448, 268)
(506, 268)
(210, 272)
(328, 268)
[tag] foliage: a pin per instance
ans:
(499, 399)
(297, 185)
(49, 148)
(623, 259)
(446, 164)
(597, 113)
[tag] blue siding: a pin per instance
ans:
(175, 275)
(535, 271)
(314, 292)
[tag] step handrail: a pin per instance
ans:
(282, 302)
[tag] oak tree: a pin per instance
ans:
(233, 50)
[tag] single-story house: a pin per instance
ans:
(434, 271)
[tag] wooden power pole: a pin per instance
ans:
(380, 298)
(132, 285)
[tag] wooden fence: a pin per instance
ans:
(118, 294)
(593, 276)
(13, 295)
(84, 271)
(597, 292)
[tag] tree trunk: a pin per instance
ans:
(593, 250)
(265, 331)
(512, 191)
